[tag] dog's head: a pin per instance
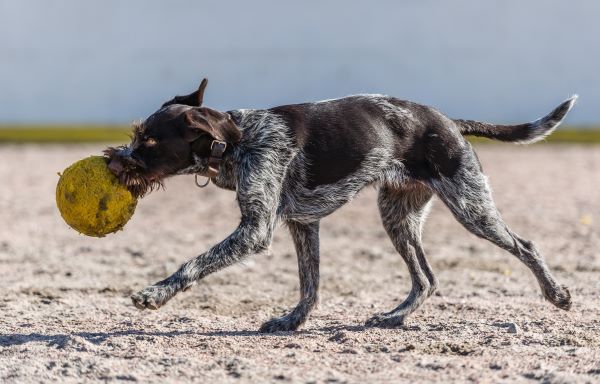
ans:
(166, 142)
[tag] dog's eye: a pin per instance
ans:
(150, 142)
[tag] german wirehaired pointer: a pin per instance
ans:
(299, 163)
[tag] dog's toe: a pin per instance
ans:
(561, 298)
(138, 301)
(152, 297)
(150, 304)
(278, 324)
(385, 321)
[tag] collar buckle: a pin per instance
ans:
(218, 143)
(217, 149)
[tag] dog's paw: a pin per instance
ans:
(560, 297)
(433, 285)
(279, 324)
(152, 297)
(385, 321)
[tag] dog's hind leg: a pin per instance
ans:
(403, 212)
(306, 241)
(467, 194)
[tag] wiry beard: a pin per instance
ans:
(133, 176)
(138, 185)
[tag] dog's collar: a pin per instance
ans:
(217, 149)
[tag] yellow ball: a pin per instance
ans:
(91, 199)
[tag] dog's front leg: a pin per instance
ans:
(258, 193)
(250, 237)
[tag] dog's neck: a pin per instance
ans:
(201, 152)
(227, 176)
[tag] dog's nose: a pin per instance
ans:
(115, 166)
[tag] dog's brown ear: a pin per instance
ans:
(200, 91)
(194, 99)
(220, 126)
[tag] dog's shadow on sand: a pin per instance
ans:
(97, 338)
(61, 340)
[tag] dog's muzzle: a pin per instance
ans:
(120, 160)
(115, 166)
(130, 171)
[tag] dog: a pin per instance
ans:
(298, 163)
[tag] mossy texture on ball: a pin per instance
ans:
(91, 199)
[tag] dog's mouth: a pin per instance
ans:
(132, 172)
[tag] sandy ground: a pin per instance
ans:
(65, 313)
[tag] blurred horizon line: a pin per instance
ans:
(80, 134)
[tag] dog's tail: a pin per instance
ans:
(521, 133)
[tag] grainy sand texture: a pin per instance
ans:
(66, 316)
